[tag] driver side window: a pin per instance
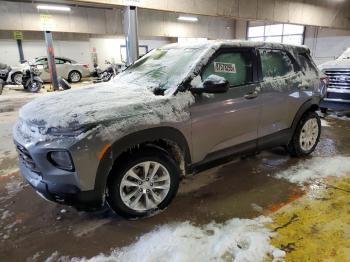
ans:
(236, 67)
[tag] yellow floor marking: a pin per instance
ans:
(316, 227)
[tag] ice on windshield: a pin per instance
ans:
(162, 68)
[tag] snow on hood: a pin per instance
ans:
(115, 103)
(343, 61)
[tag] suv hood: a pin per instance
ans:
(335, 64)
(104, 103)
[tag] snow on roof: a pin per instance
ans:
(233, 43)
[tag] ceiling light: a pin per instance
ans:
(188, 18)
(53, 8)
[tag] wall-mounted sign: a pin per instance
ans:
(47, 22)
(17, 35)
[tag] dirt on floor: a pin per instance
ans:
(32, 229)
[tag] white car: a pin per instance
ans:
(66, 68)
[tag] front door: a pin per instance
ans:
(220, 122)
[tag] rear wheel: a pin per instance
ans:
(17, 78)
(74, 77)
(306, 136)
(144, 184)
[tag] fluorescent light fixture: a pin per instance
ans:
(53, 8)
(188, 18)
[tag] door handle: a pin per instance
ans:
(251, 95)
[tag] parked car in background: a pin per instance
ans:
(66, 68)
(338, 92)
(128, 141)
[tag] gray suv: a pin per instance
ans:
(175, 111)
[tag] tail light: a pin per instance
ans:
(86, 66)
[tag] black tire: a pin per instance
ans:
(294, 147)
(71, 76)
(33, 86)
(116, 175)
(17, 76)
(1, 86)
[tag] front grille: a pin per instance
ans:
(339, 78)
(26, 158)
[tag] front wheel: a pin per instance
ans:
(33, 86)
(306, 136)
(143, 184)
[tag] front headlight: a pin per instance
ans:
(61, 159)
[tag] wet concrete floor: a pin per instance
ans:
(32, 228)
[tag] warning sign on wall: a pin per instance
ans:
(47, 22)
(18, 35)
(224, 67)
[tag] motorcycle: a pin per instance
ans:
(96, 72)
(9, 76)
(107, 74)
(31, 80)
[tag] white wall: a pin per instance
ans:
(9, 52)
(109, 48)
(106, 48)
(325, 43)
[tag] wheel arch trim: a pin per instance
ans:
(133, 140)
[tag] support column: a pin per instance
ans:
(51, 60)
(20, 50)
(131, 34)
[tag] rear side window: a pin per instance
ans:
(236, 67)
(41, 61)
(307, 65)
(275, 63)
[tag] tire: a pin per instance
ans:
(305, 140)
(1, 86)
(33, 86)
(117, 189)
(17, 78)
(74, 76)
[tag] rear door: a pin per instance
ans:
(280, 87)
(220, 122)
(61, 67)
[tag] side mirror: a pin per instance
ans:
(213, 84)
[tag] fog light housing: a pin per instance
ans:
(61, 159)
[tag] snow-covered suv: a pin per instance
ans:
(175, 110)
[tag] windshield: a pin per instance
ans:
(162, 68)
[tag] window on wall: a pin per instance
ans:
(278, 33)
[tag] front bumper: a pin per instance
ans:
(335, 105)
(53, 184)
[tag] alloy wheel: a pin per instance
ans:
(309, 134)
(144, 186)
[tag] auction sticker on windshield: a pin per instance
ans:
(224, 67)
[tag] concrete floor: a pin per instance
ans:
(32, 229)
